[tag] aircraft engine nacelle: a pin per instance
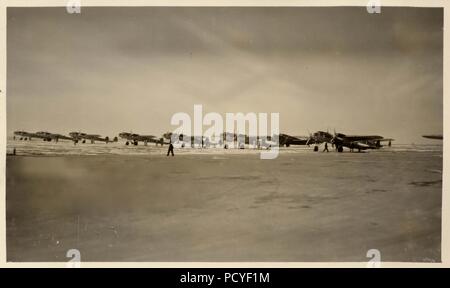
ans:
(361, 146)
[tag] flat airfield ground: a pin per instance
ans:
(298, 207)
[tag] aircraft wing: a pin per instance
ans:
(146, 138)
(285, 139)
(59, 136)
(24, 134)
(438, 137)
(353, 138)
(361, 145)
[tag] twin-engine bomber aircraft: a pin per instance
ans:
(318, 137)
(46, 136)
(24, 135)
(136, 138)
(186, 139)
(340, 140)
(360, 142)
(77, 136)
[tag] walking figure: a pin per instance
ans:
(326, 147)
(170, 150)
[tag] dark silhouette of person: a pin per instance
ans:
(170, 150)
(326, 147)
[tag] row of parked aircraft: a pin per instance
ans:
(338, 140)
(74, 136)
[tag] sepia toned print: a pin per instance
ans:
(224, 134)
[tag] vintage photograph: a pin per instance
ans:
(224, 134)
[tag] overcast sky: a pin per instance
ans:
(109, 70)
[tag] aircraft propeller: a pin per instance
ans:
(310, 137)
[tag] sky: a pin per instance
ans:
(114, 69)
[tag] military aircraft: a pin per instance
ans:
(239, 140)
(134, 139)
(360, 142)
(186, 139)
(319, 137)
(77, 136)
(24, 135)
(437, 136)
(46, 136)
(340, 140)
(288, 140)
(255, 141)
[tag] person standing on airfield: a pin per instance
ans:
(326, 147)
(170, 150)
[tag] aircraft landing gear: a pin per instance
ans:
(316, 148)
(340, 149)
(135, 143)
(127, 143)
(84, 141)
